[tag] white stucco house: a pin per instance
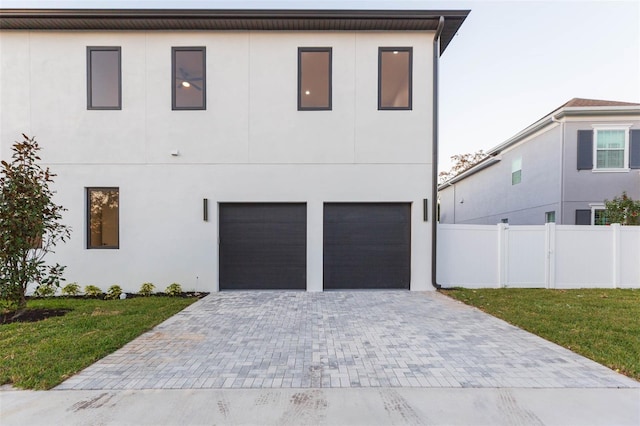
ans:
(559, 169)
(234, 149)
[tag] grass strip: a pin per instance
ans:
(40, 355)
(600, 324)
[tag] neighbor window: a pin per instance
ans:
(516, 171)
(188, 90)
(550, 217)
(104, 88)
(394, 77)
(314, 78)
(599, 215)
(103, 211)
(610, 148)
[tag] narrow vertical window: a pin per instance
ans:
(516, 171)
(314, 78)
(189, 87)
(104, 88)
(394, 77)
(103, 218)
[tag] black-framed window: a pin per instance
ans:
(314, 78)
(103, 218)
(189, 78)
(104, 77)
(395, 75)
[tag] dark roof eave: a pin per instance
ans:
(239, 19)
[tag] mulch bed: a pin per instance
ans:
(32, 315)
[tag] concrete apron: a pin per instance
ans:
(361, 406)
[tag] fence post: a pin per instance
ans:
(616, 253)
(550, 255)
(503, 254)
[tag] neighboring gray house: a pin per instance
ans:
(559, 169)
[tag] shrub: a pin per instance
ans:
(92, 290)
(113, 292)
(146, 289)
(174, 289)
(46, 290)
(623, 210)
(71, 289)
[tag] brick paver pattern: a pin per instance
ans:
(289, 339)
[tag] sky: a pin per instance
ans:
(511, 63)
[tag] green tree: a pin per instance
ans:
(29, 225)
(622, 210)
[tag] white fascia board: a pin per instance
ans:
(487, 162)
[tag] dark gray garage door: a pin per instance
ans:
(263, 246)
(367, 245)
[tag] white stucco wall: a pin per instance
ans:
(250, 144)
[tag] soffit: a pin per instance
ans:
(234, 20)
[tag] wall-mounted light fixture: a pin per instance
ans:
(205, 209)
(175, 153)
(425, 210)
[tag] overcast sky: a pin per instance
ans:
(511, 63)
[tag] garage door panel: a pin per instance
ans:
(367, 245)
(263, 246)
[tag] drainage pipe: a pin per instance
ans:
(434, 160)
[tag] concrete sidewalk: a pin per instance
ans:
(351, 406)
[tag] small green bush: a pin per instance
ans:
(174, 289)
(113, 292)
(92, 290)
(46, 290)
(71, 289)
(146, 289)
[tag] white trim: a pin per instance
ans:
(625, 154)
(594, 207)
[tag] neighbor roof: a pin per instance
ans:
(239, 19)
(574, 107)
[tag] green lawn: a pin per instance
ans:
(603, 325)
(40, 355)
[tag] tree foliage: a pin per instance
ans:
(461, 162)
(29, 224)
(623, 210)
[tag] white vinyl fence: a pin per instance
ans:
(546, 256)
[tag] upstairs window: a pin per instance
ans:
(188, 73)
(103, 218)
(516, 171)
(610, 148)
(104, 88)
(394, 78)
(314, 78)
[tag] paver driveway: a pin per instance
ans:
(287, 339)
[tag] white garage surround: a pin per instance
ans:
(163, 235)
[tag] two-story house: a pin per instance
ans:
(233, 149)
(560, 169)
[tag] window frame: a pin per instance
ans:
(550, 215)
(88, 191)
(381, 50)
(90, 50)
(594, 209)
(203, 50)
(625, 155)
(328, 50)
(516, 173)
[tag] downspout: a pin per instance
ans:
(434, 160)
(561, 201)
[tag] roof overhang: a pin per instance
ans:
(234, 20)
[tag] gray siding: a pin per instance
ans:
(585, 187)
(488, 196)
